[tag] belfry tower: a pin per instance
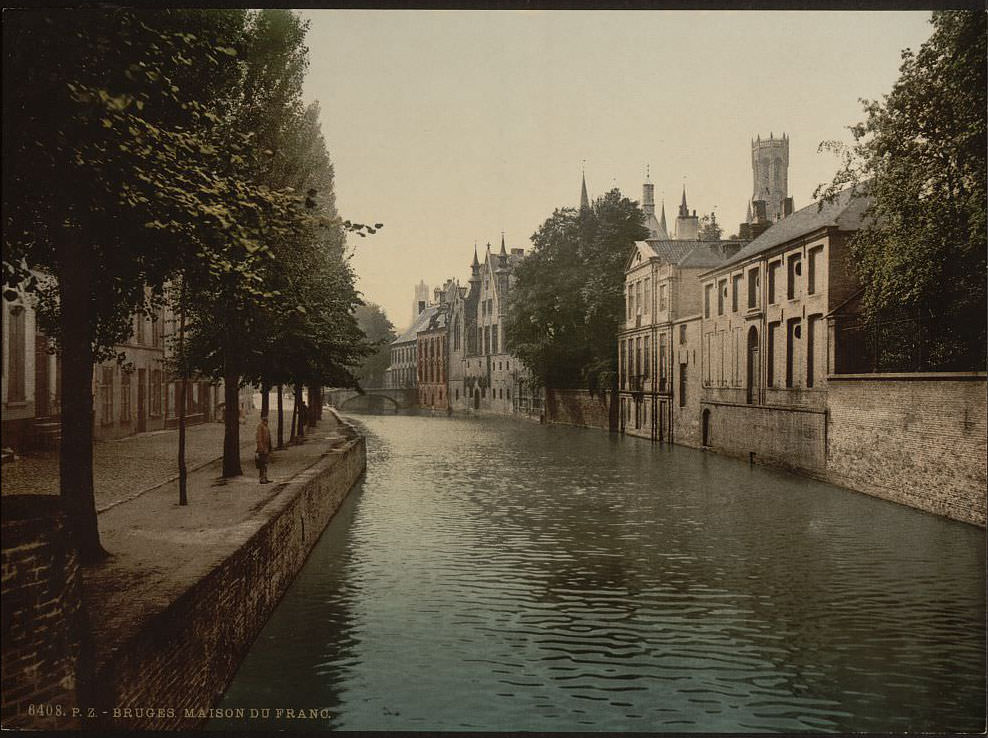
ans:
(770, 199)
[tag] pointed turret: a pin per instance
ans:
(662, 220)
(656, 229)
(475, 266)
(683, 210)
(503, 251)
(584, 199)
(747, 217)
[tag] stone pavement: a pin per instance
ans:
(127, 466)
(158, 548)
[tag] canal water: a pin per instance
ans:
(491, 574)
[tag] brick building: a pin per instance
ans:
(765, 349)
(432, 350)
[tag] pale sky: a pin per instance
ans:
(452, 126)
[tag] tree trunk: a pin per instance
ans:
(301, 415)
(77, 324)
(183, 496)
(281, 414)
(231, 423)
(291, 433)
(265, 401)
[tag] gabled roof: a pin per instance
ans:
(845, 213)
(421, 323)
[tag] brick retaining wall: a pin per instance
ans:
(917, 440)
(187, 655)
(579, 407)
(45, 645)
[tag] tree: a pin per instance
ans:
(568, 296)
(111, 167)
(920, 156)
(710, 229)
(380, 333)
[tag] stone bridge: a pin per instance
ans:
(373, 398)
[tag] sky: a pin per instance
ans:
(451, 127)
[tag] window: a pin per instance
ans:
(156, 392)
(811, 269)
(16, 367)
(645, 364)
(107, 392)
(792, 336)
(773, 334)
(663, 300)
(638, 357)
(721, 295)
(682, 385)
(813, 360)
(753, 288)
(638, 296)
(707, 292)
(662, 363)
(736, 292)
(682, 333)
(773, 270)
(456, 335)
(648, 295)
(494, 335)
(631, 299)
(793, 271)
(509, 393)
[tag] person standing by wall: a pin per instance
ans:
(263, 449)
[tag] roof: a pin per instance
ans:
(845, 212)
(421, 323)
(689, 253)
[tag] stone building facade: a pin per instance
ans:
(491, 375)
(661, 291)
(402, 373)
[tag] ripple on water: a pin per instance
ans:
(492, 575)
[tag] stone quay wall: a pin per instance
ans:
(580, 407)
(187, 655)
(787, 437)
(44, 623)
(920, 440)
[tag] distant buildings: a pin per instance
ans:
(454, 353)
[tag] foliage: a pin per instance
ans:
(920, 156)
(710, 229)
(380, 333)
(568, 296)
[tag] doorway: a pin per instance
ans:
(754, 367)
(142, 424)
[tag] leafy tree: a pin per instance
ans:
(380, 333)
(920, 156)
(710, 229)
(112, 170)
(568, 296)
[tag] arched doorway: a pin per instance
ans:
(706, 427)
(754, 367)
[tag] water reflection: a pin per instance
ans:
(495, 575)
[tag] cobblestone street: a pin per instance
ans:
(127, 466)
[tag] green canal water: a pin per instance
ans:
(491, 574)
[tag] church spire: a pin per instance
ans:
(584, 199)
(503, 252)
(683, 210)
(662, 220)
